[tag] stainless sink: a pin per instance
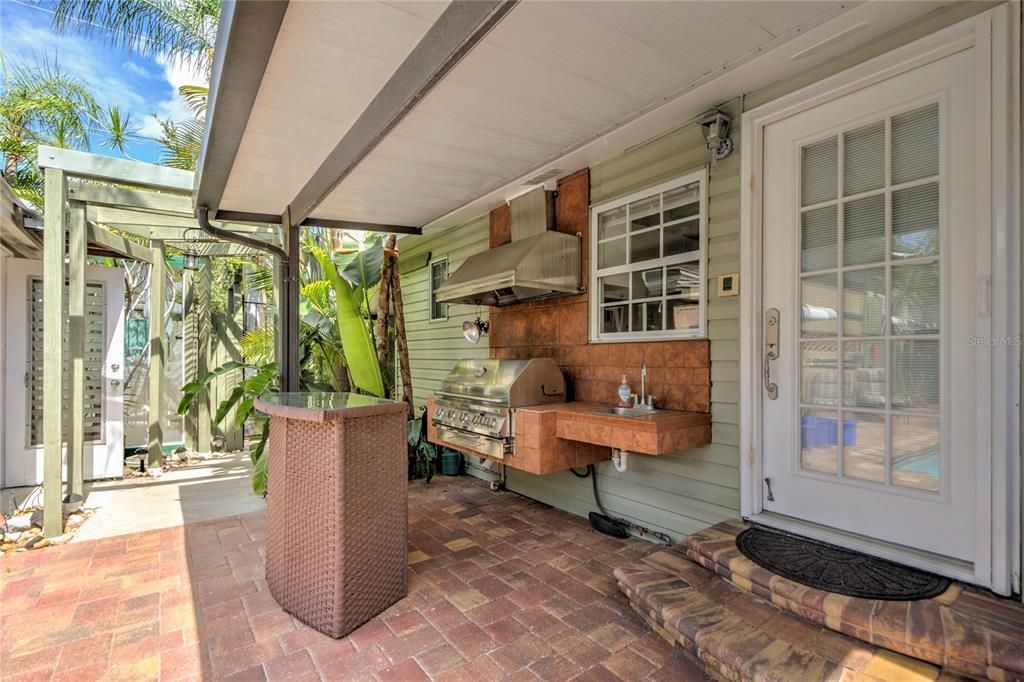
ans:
(626, 411)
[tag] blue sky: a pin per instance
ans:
(142, 86)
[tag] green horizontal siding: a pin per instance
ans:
(435, 346)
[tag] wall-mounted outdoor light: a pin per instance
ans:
(472, 331)
(714, 125)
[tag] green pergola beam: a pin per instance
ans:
(214, 249)
(126, 216)
(122, 245)
(120, 197)
(53, 349)
(96, 167)
(163, 233)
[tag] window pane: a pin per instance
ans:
(915, 221)
(646, 316)
(915, 375)
(611, 223)
(648, 283)
(864, 302)
(915, 144)
(916, 452)
(682, 237)
(819, 172)
(615, 319)
(864, 159)
(864, 374)
(645, 213)
(864, 230)
(610, 254)
(863, 437)
(819, 306)
(819, 372)
(645, 246)
(819, 450)
(438, 274)
(683, 314)
(818, 237)
(682, 203)
(915, 299)
(614, 288)
(683, 279)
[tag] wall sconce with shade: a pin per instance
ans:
(714, 124)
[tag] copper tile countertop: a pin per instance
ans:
(658, 433)
(320, 407)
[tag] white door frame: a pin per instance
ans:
(995, 36)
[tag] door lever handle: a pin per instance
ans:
(771, 351)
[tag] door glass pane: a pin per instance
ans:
(915, 144)
(647, 316)
(819, 373)
(611, 223)
(819, 439)
(915, 375)
(819, 172)
(915, 221)
(610, 254)
(819, 232)
(648, 283)
(864, 230)
(864, 159)
(644, 246)
(915, 299)
(645, 213)
(863, 436)
(682, 237)
(819, 305)
(614, 288)
(864, 374)
(864, 302)
(916, 452)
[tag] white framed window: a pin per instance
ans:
(438, 274)
(648, 254)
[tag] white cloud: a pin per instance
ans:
(176, 73)
(138, 70)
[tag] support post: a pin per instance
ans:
(202, 310)
(157, 277)
(191, 353)
(53, 350)
(287, 288)
(76, 351)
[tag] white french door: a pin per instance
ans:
(872, 282)
(103, 452)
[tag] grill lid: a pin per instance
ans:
(510, 383)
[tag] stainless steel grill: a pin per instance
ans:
(475, 407)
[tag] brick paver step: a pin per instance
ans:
(963, 630)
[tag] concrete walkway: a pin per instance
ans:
(216, 488)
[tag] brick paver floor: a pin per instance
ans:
(501, 587)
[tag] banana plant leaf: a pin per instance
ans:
(362, 267)
(356, 341)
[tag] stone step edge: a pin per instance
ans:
(721, 662)
(825, 610)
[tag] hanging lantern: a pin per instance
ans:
(191, 257)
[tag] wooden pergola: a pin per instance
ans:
(106, 206)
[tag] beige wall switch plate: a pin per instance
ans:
(729, 285)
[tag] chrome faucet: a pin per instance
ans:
(643, 401)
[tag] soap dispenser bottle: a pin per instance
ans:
(624, 392)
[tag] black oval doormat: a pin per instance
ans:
(834, 569)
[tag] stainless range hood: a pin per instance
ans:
(539, 262)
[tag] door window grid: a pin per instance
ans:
(648, 254)
(864, 398)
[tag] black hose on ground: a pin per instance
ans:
(611, 525)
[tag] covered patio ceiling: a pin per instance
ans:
(426, 114)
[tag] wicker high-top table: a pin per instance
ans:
(337, 506)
